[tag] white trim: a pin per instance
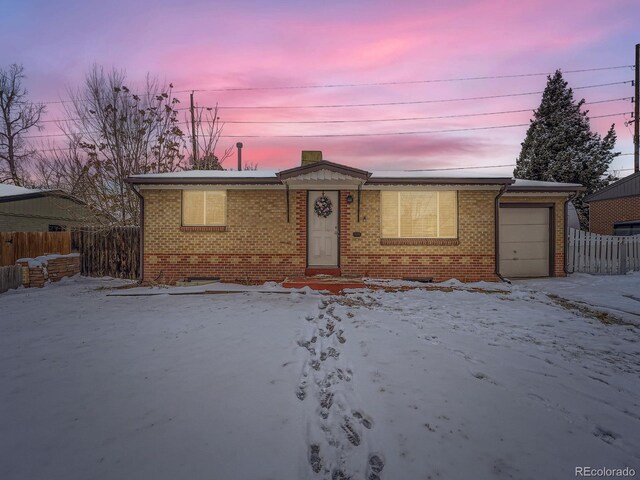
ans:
(322, 176)
(211, 187)
(334, 186)
(538, 194)
(345, 183)
(431, 187)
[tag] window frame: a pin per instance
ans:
(437, 237)
(203, 225)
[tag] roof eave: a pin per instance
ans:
(47, 193)
(550, 189)
(439, 181)
(594, 196)
(203, 181)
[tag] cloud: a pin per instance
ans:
(204, 44)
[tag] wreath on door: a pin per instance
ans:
(323, 206)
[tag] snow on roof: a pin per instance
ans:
(378, 174)
(536, 183)
(463, 173)
(212, 174)
(247, 174)
(12, 190)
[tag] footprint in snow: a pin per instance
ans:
(352, 435)
(344, 374)
(365, 420)
(301, 391)
(605, 435)
(326, 401)
(485, 377)
(338, 474)
(330, 352)
(374, 467)
(314, 458)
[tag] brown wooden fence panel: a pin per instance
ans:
(10, 277)
(15, 245)
(113, 252)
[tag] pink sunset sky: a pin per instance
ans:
(206, 45)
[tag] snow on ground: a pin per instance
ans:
(417, 384)
(616, 294)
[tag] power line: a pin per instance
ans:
(409, 82)
(51, 102)
(61, 149)
(464, 115)
(459, 168)
(329, 135)
(420, 132)
(333, 134)
(609, 115)
(491, 166)
(412, 102)
(372, 120)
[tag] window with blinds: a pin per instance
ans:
(200, 208)
(415, 214)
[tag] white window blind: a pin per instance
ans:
(415, 214)
(208, 207)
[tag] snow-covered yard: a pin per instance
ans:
(450, 383)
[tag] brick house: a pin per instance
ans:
(615, 209)
(324, 217)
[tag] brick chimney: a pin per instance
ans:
(311, 156)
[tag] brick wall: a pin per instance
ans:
(560, 234)
(469, 258)
(37, 273)
(604, 213)
(258, 244)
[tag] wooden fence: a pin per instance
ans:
(113, 252)
(606, 254)
(15, 245)
(10, 277)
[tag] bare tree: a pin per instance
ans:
(250, 166)
(17, 116)
(208, 131)
(114, 133)
(64, 168)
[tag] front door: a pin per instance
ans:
(323, 234)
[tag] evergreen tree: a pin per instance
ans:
(560, 146)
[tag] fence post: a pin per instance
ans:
(569, 255)
(623, 257)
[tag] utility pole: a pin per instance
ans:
(193, 133)
(636, 115)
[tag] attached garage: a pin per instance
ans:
(526, 240)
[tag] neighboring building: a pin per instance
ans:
(29, 210)
(323, 217)
(615, 209)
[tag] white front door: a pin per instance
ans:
(322, 249)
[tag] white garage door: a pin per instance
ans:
(524, 242)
